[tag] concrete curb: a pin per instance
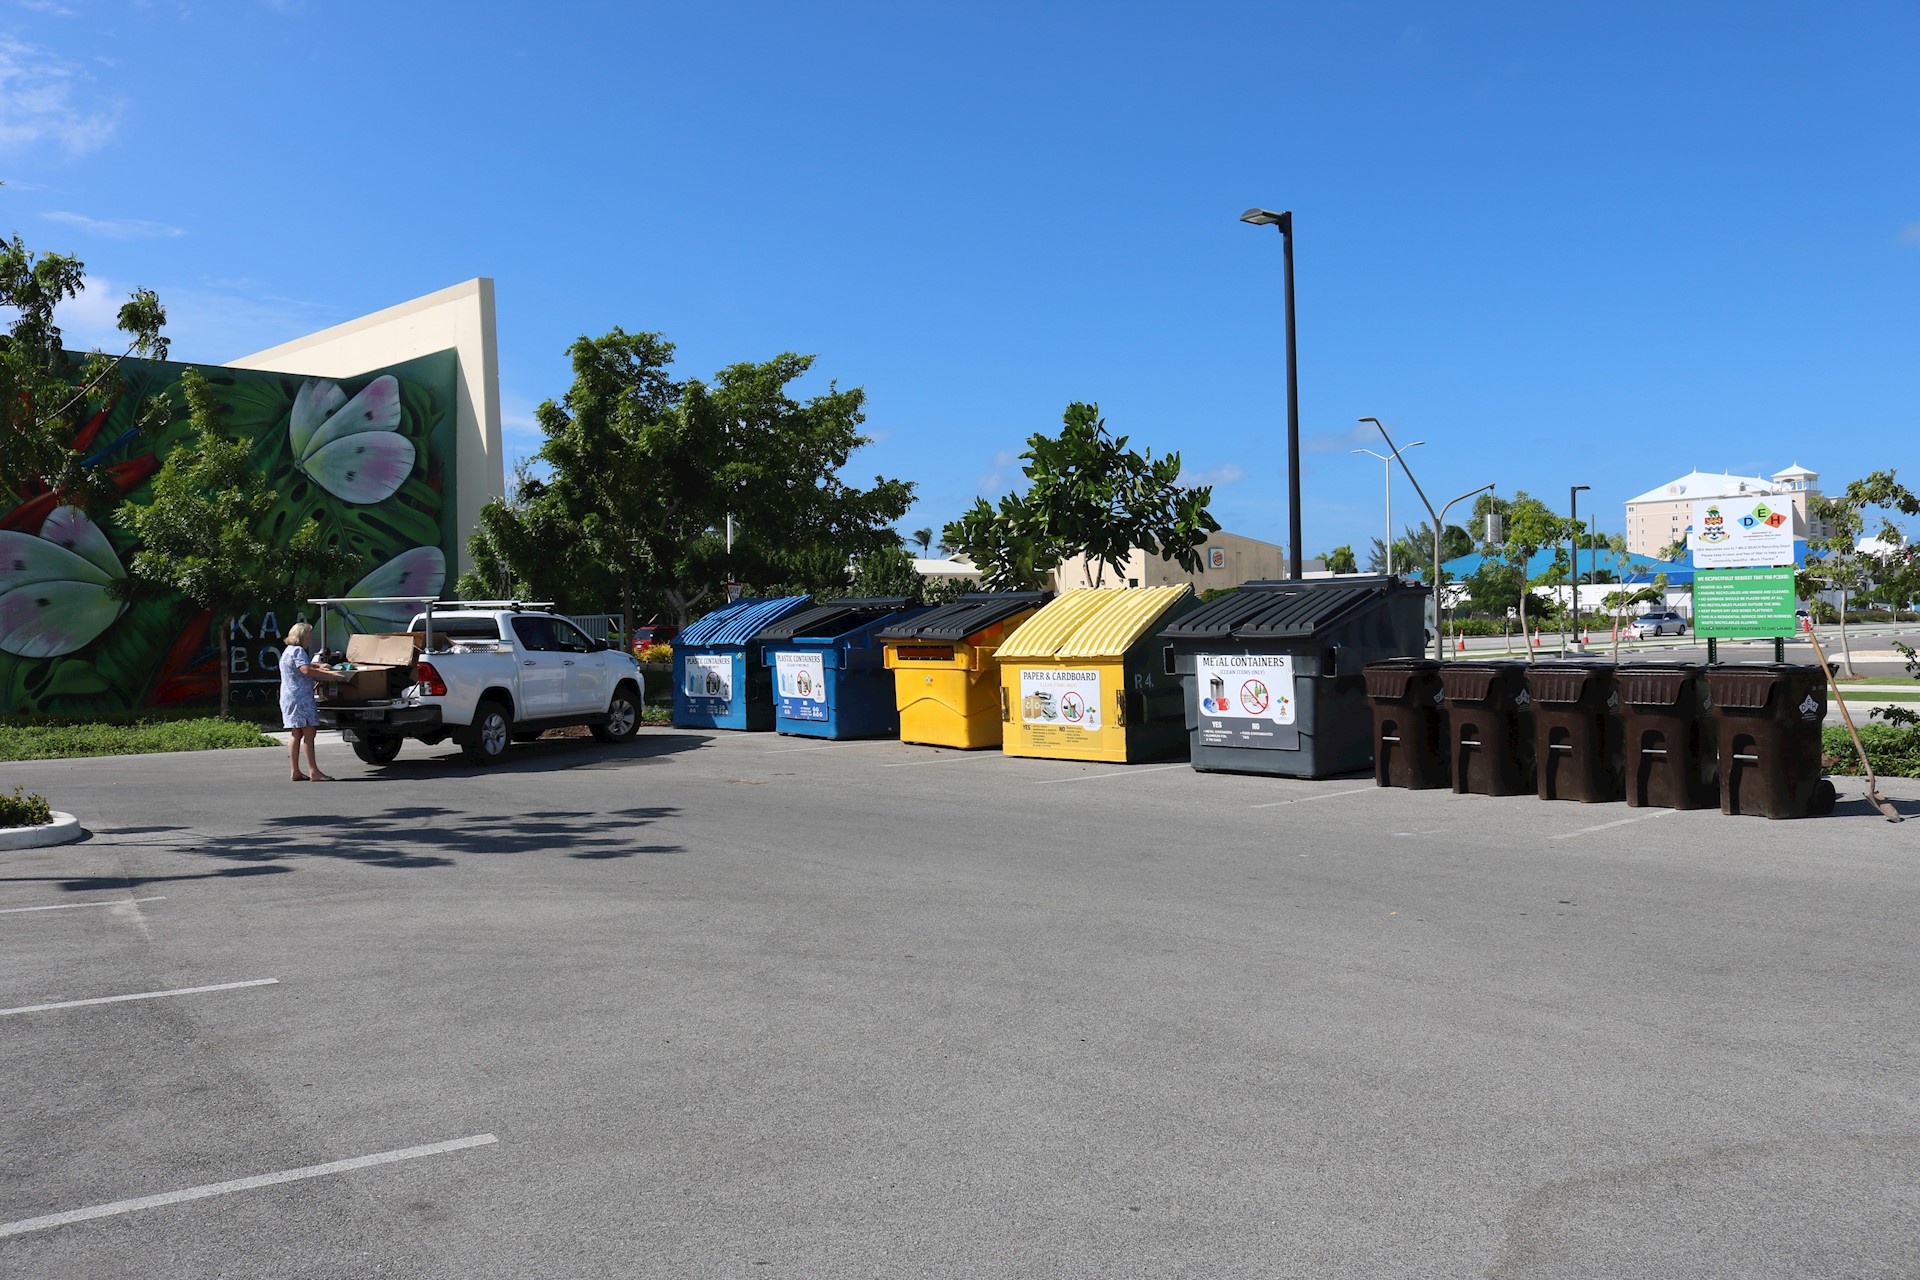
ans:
(64, 829)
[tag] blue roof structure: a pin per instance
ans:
(1541, 561)
(740, 621)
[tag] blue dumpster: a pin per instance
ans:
(719, 681)
(830, 678)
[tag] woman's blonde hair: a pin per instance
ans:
(300, 633)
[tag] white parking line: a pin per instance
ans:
(143, 995)
(1118, 773)
(69, 906)
(1608, 826)
(240, 1184)
(1324, 795)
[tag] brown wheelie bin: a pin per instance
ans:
(1667, 733)
(1576, 742)
(1489, 727)
(1769, 717)
(1409, 723)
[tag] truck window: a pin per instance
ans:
(458, 628)
(571, 637)
(536, 634)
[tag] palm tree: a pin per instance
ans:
(922, 538)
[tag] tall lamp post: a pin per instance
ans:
(1389, 471)
(1284, 221)
(1439, 522)
(1573, 557)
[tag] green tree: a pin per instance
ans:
(1530, 525)
(888, 571)
(204, 532)
(50, 393)
(923, 539)
(1340, 560)
(646, 474)
(1088, 495)
(1837, 562)
(1673, 551)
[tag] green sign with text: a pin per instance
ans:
(1743, 603)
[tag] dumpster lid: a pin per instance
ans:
(1283, 608)
(975, 611)
(1093, 622)
(835, 617)
(740, 621)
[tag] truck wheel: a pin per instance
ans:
(380, 750)
(623, 718)
(489, 736)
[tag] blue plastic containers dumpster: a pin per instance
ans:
(829, 668)
(719, 680)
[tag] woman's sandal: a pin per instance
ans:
(321, 777)
(299, 777)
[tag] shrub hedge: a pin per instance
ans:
(1892, 750)
(24, 809)
(57, 738)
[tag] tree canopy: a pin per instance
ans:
(1088, 495)
(50, 395)
(644, 476)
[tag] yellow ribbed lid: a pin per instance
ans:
(1092, 623)
(1041, 635)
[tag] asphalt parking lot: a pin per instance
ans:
(744, 1005)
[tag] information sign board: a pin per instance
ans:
(1743, 603)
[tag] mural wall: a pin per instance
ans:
(371, 457)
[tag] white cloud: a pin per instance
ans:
(51, 7)
(1225, 474)
(519, 430)
(114, 228)
(1360, 435)
(46, 100)
(1909, 234)
(993, 483)
(87, 320)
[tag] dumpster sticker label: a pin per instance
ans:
(1741, 533)
(1245, 699)
(1060, 699)
(707, 682)
(800, 683)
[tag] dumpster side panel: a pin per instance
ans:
(941, 707)
(717, 688)
(1064, 710)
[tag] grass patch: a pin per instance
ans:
(1893, 751)
(656, 713)
(57, 738)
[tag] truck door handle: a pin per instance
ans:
(567, 663)
(527, 663)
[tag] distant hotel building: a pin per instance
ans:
(1659, 517)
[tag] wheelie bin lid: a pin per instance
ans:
(975, 611)
(740, 621)
(1092, 622)
(1283, 608)
(835, 617)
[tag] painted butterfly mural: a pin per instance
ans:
(351, 447)
(419, 572)
(55, 589)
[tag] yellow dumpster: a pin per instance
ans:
(1085, 678)
(946, 670)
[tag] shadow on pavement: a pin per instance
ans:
(545, 755)
(418, 836)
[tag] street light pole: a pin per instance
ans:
(1573, 559)
(1284, 221)
(1388, 468)
(1439, 522)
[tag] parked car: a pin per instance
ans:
(1656, 623)
(486, 677)
(645, 637)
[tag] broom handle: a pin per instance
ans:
(1873, 785)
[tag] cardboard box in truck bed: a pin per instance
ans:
(383, 666)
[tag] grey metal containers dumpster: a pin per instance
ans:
(1274, 672)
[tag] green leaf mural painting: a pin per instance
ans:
(368, 459)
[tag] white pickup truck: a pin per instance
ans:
(487, 673)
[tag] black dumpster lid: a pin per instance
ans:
(1283, 608)
(975, 611)
(835, 617)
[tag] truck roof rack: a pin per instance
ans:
(515, 605)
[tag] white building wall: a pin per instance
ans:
(1243, 560)
(459, 318)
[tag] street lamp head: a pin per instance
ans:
(1581, 488)
(1268, 218)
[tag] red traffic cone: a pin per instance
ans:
(1585, 638)
(1536, 639)
(1462, 646)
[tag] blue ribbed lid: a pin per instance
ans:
(739, 622)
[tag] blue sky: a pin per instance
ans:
(1562, 244)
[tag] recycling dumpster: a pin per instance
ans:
(946, 667)
(719, 681)
(1083, 678)
(1274, 673)
(1409, 723)
(1576, 740)
(829, 673)
(1667, 737)
(1769, 719)
(1489, 727)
